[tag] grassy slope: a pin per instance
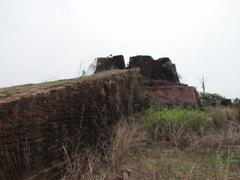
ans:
(7, 92)
(209, 155)
(173, 163)
(199, 158)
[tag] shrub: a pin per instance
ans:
(236, 102)
(222, 115)
(210, 98)
(173, 125)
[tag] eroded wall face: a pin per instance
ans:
(175, 94)
(36, 125)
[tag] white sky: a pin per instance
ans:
(42, 40)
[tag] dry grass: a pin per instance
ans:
(222, 129)
(127, 141)
(16, 165)
(211, 153)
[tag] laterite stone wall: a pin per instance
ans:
(34, 125)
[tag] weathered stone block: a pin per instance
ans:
(172, 93)
(161, 69)
(115, 62)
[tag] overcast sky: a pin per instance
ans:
(45, 40)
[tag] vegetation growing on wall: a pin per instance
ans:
(160, 142)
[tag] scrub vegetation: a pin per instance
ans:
(168, 143)
(159, 143)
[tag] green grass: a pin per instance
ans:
(192, 118)
(3, 95)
